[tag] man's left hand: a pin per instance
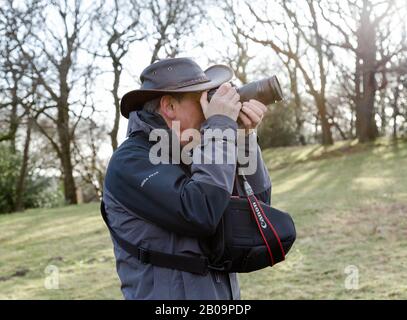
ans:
(251, 115)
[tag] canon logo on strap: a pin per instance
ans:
(263, 223)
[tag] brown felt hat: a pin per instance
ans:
(173, 75)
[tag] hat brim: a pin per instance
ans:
(135, 99)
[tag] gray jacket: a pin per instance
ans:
(165, 208)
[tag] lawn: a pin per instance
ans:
(349, 203)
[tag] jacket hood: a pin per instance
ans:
(145, 121)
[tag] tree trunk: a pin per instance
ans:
(383, 117)
(316, 125)
(65, 157)
(352, 123)
(297, 106)
(113, 134)
(367, 128)
(325, 125)
(396, 94)
(20, 188)
(69, 182)
(14, 121)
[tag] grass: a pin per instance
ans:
(71, 238)
(349, 202)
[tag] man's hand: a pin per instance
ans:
(225, 101)
(251, 115)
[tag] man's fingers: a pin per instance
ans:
(231, 93)
(251, 114)
(235, 98)
(223, 89)
(245, 120)
(204, 99)
(258, 104)
(255, 108)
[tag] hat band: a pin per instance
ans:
(202, 79)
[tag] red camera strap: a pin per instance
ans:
(266, 229)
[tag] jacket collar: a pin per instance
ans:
(145, 121)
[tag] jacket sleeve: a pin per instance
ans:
(164, 195)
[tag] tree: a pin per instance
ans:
(246, 65)
(310, 35)
(121, 27)
(14, 69)
(173, 22)
(89, 166)
(127, 22)
(19, 84)
(236, 55)
(361, 26)
(53, 57)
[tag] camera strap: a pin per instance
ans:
(266, 229)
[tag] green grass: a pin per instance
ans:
(349, 203)
(73, 239)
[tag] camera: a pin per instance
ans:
(267, 91)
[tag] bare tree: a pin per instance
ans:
(19, 84)
(164, 24)
(14, 69)
(236, 54)
(293, 70)
(53, 57)
(172, 23)
(89, 166)
(361, 26)
(312, 37)
(121, 27)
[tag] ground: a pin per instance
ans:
(349, 203)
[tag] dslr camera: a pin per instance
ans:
(267, 91)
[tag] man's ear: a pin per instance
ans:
(167, 107)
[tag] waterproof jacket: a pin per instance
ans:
(168, 207)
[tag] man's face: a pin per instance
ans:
(188, 111)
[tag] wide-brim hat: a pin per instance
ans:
(171, 76)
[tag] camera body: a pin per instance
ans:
(267, 91)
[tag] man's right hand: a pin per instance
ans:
(225, 102)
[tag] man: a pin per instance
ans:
(160, 212)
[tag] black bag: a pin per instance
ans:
(251, 235)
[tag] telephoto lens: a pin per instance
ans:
(267, 91)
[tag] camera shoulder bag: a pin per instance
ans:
(250, 236)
